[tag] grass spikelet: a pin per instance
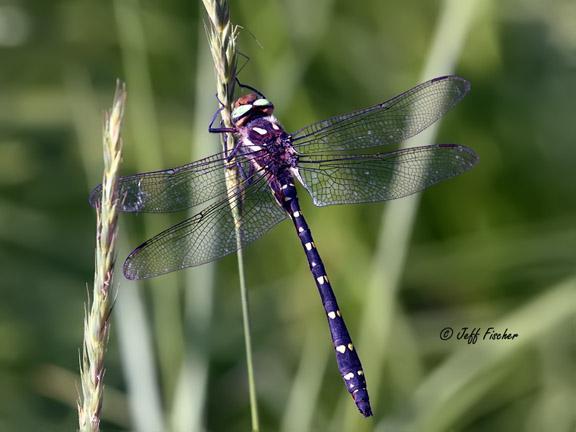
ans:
(222, 40)
(97, 314)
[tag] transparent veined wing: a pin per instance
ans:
(349, 179)
(390, 122)
(172, 189)
(208, 235)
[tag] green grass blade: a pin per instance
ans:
(398, 219)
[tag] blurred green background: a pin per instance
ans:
(494, 247)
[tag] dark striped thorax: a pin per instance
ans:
(263, 140)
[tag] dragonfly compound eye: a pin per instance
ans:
(265, 105)
(261, 102)
(240, 111)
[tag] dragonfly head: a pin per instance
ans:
(250, 106)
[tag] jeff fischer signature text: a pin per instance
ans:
(473, 335)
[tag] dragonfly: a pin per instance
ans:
(346, 159)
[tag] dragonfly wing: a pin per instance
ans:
(390, 122)
(350, 179)
(208, 235)
(170, 190)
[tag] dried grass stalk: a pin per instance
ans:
(97, 314)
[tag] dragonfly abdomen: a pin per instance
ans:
(347, 358)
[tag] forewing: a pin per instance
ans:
(390, 122)
(208, 235)
(338, 179)
(170, 190)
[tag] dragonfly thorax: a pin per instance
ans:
(268, 144)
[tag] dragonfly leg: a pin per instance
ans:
(220, 129)
(219, 101)
(246, 175)
(241, 54)
(234, 151)
(246, 86)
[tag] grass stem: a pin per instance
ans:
(222, 39)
